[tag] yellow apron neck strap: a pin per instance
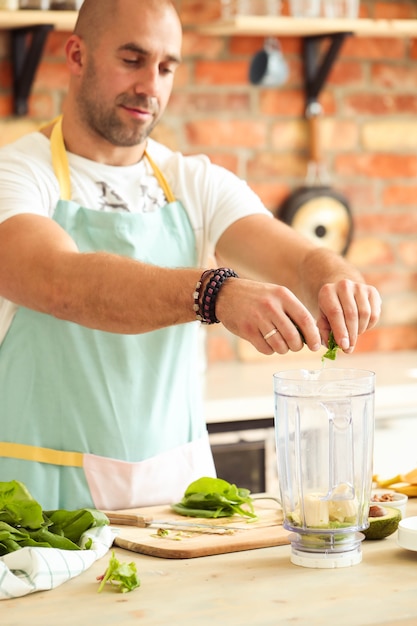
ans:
(62, 170)
(161, 179)
(60, 160)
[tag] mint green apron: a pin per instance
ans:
(90, 418)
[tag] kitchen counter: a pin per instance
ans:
(244, 390)
(257, 587)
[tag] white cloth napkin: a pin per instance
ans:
(38, 569)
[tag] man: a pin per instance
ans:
(104, 241)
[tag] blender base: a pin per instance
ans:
(327, 551)
(326, 560)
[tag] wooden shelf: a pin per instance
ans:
(240, 25)
(60, 20)
(27, 56)
(303, 27)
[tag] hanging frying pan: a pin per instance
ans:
(316, 210)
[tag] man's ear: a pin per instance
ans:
(74, 50)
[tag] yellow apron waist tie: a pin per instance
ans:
(40, 455)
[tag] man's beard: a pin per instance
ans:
(106, 123)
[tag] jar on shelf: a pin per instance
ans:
(305, 8)
(230, 8)
(341, 8)
(65, 5)
(9, 5)
(259, 7)
(42, 5)
(325, 8)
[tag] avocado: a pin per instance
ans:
(383, 525)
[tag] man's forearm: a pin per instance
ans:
(42, 269)
(116, 294)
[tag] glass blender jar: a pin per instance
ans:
(324, 428)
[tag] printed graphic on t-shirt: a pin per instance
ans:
(152, 198)
(110, 200)
(149, 198)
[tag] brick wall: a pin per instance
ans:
(368, 141)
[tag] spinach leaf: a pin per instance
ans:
(23, 522)
(72, 524)
(43, 536)
(17, 507)
(215, 497)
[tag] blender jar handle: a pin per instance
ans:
(341, 471)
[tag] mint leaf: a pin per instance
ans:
(121, 575)
(332, 348)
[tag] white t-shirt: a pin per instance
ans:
(213, 197)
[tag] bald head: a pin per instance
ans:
(96, 16)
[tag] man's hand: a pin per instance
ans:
(272, 319)
(268, 316)
(321, 285)
(348, 308)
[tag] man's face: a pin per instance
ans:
(127, 78)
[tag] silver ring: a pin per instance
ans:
(271, 333)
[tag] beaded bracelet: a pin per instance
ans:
(208, 303)
(197, 294)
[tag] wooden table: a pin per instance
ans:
(257, 588)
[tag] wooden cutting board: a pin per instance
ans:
(267, 531)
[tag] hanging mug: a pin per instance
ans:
(268, 67)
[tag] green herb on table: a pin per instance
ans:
(215, 497)
(123, 576)
(161, 533)
(332, 348)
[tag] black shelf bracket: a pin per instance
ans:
(27, 48)
(317, 66)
